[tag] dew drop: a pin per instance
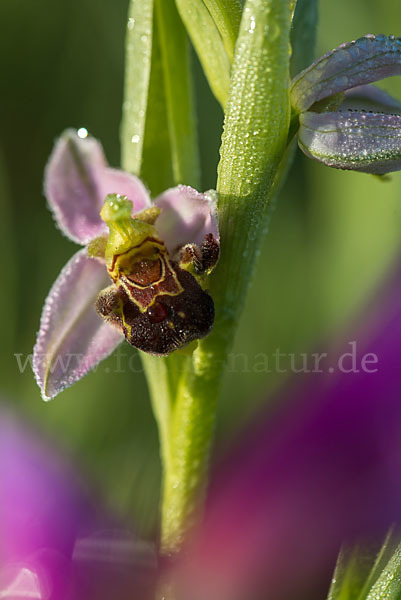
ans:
(82, 133)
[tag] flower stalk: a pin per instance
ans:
(250, 157)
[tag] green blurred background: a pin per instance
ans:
(330, 241)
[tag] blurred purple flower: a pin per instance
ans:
(54, 543)
(72, 338)
(339, 129)
(324, 469)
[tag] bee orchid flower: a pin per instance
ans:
(344, 122)
(143, 282)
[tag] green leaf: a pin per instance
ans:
(208, 44)
(359, 570)
(156, 145)
(159, 136)
(137, 73)
(227, 17)
(388, 584)
(182, 124)
(351, 571)
(303, 35)
(382, 558)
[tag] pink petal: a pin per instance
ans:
(72, 338)
(114, 181)
(77, 179)
(186, 217)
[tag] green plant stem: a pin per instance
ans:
(185, 478)
(161, 399)
(253, 145)
(195, 411)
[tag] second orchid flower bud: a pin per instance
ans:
(345, 123)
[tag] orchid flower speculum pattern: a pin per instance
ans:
(141, 274)
(157, 303)
(344, 122)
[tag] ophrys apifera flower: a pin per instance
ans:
(145, 279)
